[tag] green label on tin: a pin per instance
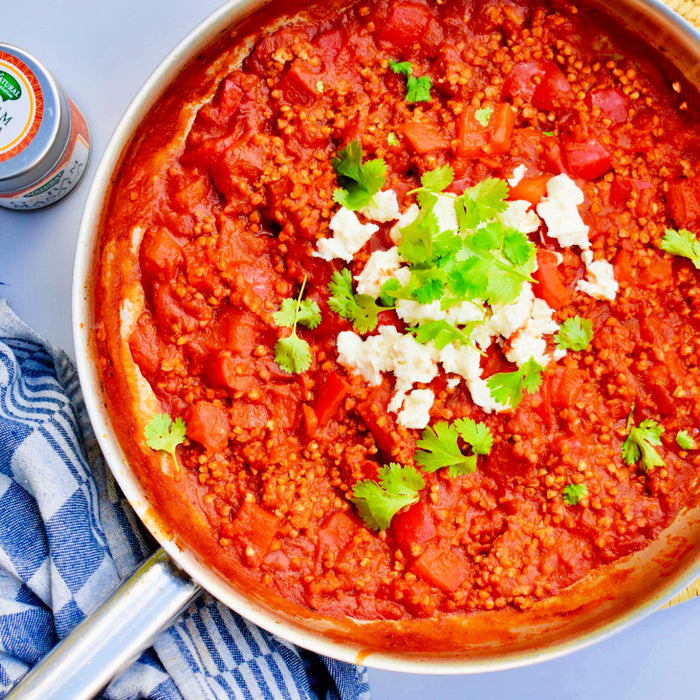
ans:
(9, 87)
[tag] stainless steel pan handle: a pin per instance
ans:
(110, 639)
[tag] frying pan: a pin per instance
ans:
(591, 610)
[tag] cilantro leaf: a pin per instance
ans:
(417, 89)
(507, 387)
(477, 435)
(481, 202)
(164, 434)
(360, 181)
(483, 115)
(307, 313)
(293, 353)
(440, 333)
(416, 245)
(378, 502)
(438, 179)
(682, 243)
(685, 440)
(438, 447)
(573, 493)
(360, 309)
(640, 442)
(392, 139)
(575, 334)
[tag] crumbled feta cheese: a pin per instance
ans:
(416, 409)
(465, 312)
(463, 360)
(560, 213)
(518, 175)
(383, 207)
(367, 357)
(413, 312)
(507, 318)
(519, 215)
(381, 266)
(524, 345)
(600, 282)
(408, 217)
(445, 212)
(481, 396)
(388, 351)
(349, 236)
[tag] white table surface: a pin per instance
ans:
(102, 52)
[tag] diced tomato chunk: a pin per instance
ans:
(567, 384)
(684, 201)
(310, 420)
(226, 370)
(406, 23)
(532, 189)
(256, 527)
(475, 138)
(336, 531)
(539, 82)
(413, 526)
(550, 286)
(612, 103)
(207, 424)
(640, 192)
(160, 253)
(331, 392)
(441, 566)
(624, 272)
(542, 400)
(587, 159)
(298, 84)
(660, 269)
(379, 424)
(424, 137)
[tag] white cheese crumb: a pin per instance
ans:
(520, 216)
(349, 236)
(381, 266)
(416, 409)
(388, 351)
(518, 175)
(444, 210)
(524, 345)
(560, 213)
(413, 312)
(408, 217)
(600, 282)
(507, 318)
(383, 207)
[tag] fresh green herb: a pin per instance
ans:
(573, 493)
(417, 89)
(685, 440)
(640, 442)
(547, 133)
(164, 434)
(507, 387)
(320, 87)
(361, 310)
(293, 353)
(682, 243)
(440, 333)
(378, 502)
(392, 139)
(439, 447)
(574, 334)
(483, 115)
(477, 435)
(360, 181)
(481, 202)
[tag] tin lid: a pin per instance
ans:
(35, 120)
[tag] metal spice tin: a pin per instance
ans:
(44, 139)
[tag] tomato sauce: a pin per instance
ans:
(216, 217)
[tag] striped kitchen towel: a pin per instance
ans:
(67, 538)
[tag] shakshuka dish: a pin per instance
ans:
(398, 304)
